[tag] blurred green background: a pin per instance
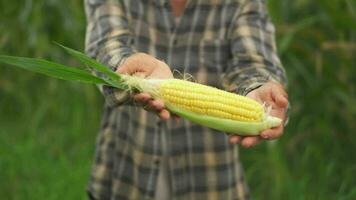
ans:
(48, 127)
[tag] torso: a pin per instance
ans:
(131, 141)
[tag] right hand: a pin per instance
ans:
(274, 95)
(141, 64)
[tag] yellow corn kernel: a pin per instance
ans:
(210, 101)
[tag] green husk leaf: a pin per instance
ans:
(91, 63)
(52, 69)
(114, 79)
(226, 125)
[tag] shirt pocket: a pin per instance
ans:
(214, 55)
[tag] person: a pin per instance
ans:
(142, 153)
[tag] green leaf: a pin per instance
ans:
(113, 78)
(227, 125)
(92, 63)
(52, 69)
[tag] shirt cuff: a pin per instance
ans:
(253, 83)
(113, 96)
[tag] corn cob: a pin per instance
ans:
(198, 103)
(210, 101)
(207, 105)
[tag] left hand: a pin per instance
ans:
(274, 95)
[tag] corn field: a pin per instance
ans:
(48, 127)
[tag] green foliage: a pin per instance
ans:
(314, 159)
(48, 126)
(52, 69)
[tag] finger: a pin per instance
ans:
(280, 97)
(279, 112)
(164, 114)
(272, 133)
(124, 69)
(250, 141)
(128, 69)
(234, 139)
(156, 104)
(142, 97)
(282, 101)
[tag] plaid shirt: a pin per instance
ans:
(228, 44)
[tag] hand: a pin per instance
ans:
(144, 65)
(273, 94)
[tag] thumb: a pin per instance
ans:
(124, 69)
(280, 97)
